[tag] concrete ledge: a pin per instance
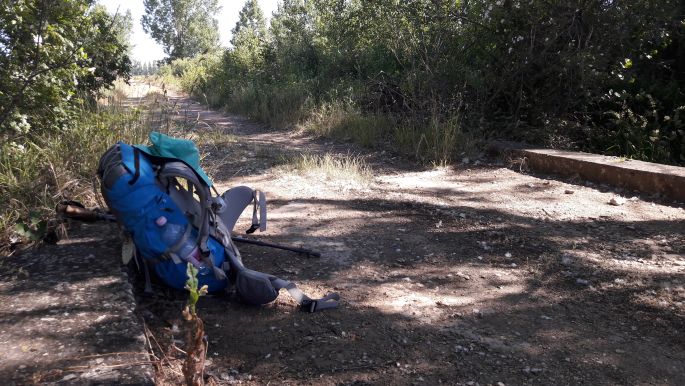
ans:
(645, 177)
(67, 315)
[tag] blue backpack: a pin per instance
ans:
(150, 194)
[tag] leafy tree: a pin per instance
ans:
(249, 38)
(52, 53)
(184, 28)
(123, 28)
(110, 56)
(251, 18)
(293, 34)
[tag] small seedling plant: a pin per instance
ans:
(196, 344)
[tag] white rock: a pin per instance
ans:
(617, 201)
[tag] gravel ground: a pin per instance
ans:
(466, 275)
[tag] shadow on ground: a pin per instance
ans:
(420, 307)
(442, 284)
(66, 314)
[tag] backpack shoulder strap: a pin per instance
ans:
(199, 212)
(177, 169)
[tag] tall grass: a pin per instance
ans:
(343, 121)
(42, 170)
(278, 107)
(436, 139)
(328, 111)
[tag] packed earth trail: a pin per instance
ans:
(469, 274)
(472, 274)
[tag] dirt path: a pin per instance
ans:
(463, 275)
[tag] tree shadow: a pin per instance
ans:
(67, 311)
(492, 297)
(430, 296)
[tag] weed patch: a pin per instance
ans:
(336, 168)
(39, 171)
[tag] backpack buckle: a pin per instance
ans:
(329, 301)
(252, 229)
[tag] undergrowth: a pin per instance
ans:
(37, 172)
(342, 121)
(435, 139)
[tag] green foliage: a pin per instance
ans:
(249, 39)
(36, 228)
(53, 55)
(633, 125)
(598, 76)
(192, 75)
(56, 59)
(184, 28)
(250, 20)
(35, 175)
(108, 53)
(194, 292)
(343, 121)
(145, 68)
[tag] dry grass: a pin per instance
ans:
(41, 170)
(213, 138)
(338, 168)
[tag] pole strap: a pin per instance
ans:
(308, 304)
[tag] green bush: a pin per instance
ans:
(53, 57)
(37, 174)
(56, 59)
(598, 76)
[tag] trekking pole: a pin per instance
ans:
(307, 252)
(75, 210)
